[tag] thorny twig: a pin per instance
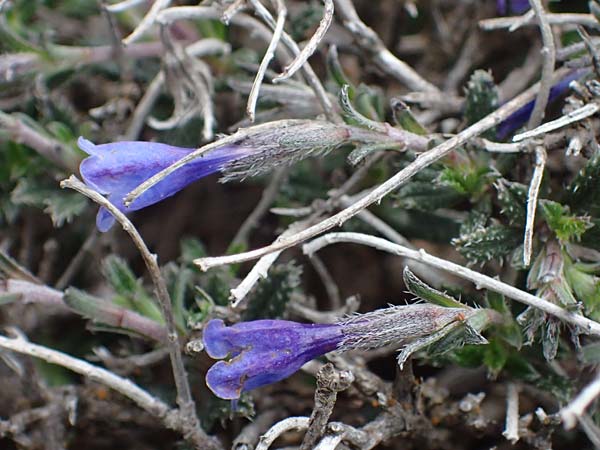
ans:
(184, 396)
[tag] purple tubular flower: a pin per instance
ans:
(517, 119)
(506, 7)
(262, 352)
(117, 168)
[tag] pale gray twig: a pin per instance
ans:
(329, 382)
(248, 437)
(584, 112)
(291, 423)
(147, 22)
(368, 40)
(573, 412)
(549, 61)
(184, 396)
(568, 19)
(532, 200)
(235, 7)
(51, 149)
(268, 56)
(172, 418)
(310, 76)
(390, 185)
(511, 428)
(123, 5)
(311, 46)
(481, 281)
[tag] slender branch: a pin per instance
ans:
(423, 160)
(511, 429)
(481, 281)
(368, 40)
(329, 383)
(269, 54)
(147, 22)
(291, 423)
(574, 411)
(172, 418)
(49, 148)
(77, 260)
(569, 19)
(123, 5)
(309, 74)
(549, 61)
(311, 46)
(532, 201)
(584, 112)
(184, 396)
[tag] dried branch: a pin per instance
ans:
(268, 56)
(149, 19)
(184, 396)
(172, 419)
(532, 201)
(329, 383)
(369, 42)
(574, 411)
(481, 281)
(549, 61)
(311, 46)
(511, 429)
(390, 185)
(291, 423)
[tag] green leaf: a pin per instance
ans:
(485, 244)
(512, 198)
(131, 293)
(62, 206)
(468, 180)
(270, 297)
(427, 293)
(495, 357)
(566, 227)
(481, 99)
(427, 196)
(583, 194)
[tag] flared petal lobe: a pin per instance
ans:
(115, 169)
(262, 352)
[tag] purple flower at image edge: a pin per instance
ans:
(262, 352)
(517, 119)
(115, 169)
(506, 7)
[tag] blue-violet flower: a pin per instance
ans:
(517, 119)
(117, 168)
(506, 7)
(262, 352)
